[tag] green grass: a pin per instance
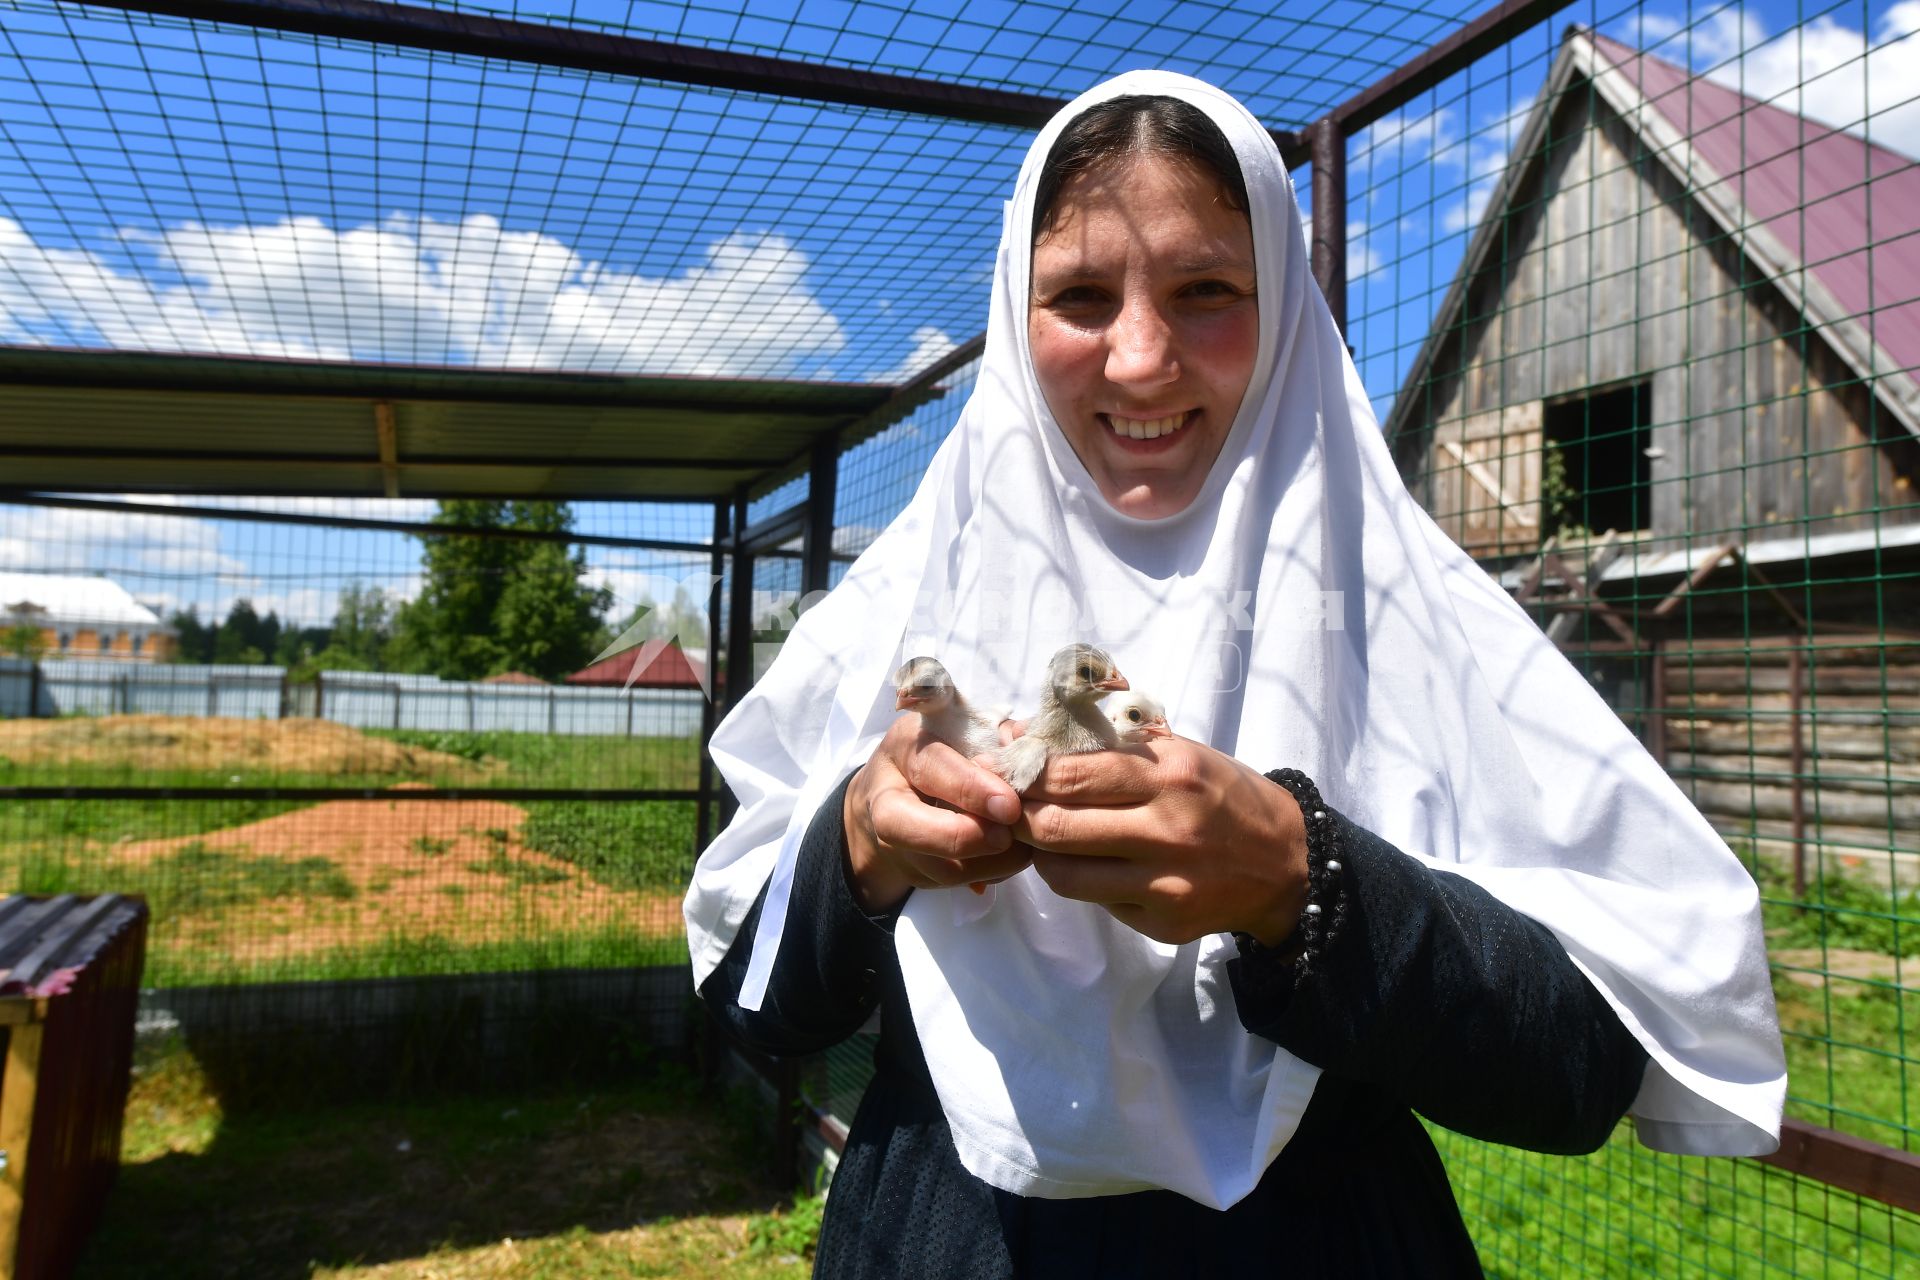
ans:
(642, 844)
(645, 1178)
(190, 878)
(64, 821)
(410, 955)
(499, 863)
(543, 760)
(1627, 1212)
(1840, 911)
(793, 1231)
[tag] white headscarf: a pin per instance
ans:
(1302, 611)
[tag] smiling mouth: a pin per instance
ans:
(1147, 428)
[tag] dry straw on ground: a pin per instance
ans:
(195, 742)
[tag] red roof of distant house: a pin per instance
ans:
(1846, 210)
(513, 677)
(670, 669)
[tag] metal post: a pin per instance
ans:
(816, 557)
(717, 568)
(1796, 681)
(319, 683)
(739, 623)
(1328, 141)
(33, 687)
(786, 1120)
(1657, 702)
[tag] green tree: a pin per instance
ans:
(22, 640)
(246, 637)
(193, 639)
(493, 604)
(651, 619)
(300, 645)
(362, 626)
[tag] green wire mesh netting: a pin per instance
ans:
(1633, 296)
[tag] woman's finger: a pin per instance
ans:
(939, 771)
(1089, 830)
(987, 868)
(1122, 777)
(906, 823)
(1106, 881)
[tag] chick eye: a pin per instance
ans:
(1134, 715)
(1086, 673)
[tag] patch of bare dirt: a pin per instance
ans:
(200, 742)
(450, 868)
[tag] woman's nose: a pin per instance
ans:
(1140, 347)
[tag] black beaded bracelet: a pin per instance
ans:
(1326, 907)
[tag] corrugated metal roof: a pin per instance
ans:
(72, 599)
(1845, 209)
(83, 420)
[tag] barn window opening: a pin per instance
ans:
(1597, 473)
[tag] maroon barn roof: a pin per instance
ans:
(1832, 220)
(669, 669)
(1802, 195)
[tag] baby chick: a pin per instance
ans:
(1068, 721)
(1137, 717)
(924, 685)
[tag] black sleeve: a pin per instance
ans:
(1443, 997)
(824, 982)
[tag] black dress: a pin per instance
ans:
(1434, 998)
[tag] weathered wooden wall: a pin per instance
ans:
(1853, 778)
(1607, 273)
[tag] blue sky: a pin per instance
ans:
(170, 187)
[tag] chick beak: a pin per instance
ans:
(906, 700)
(1157, 729)
(1115, 683)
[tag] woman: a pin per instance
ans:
(1189, 1027)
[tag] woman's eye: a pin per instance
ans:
(1211, 289)
(1078, 296)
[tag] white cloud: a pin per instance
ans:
(64, 540)
(930, 344)
(1823, 69)
(1458, 217)
(420, 289)
(1404, 136)
(1362, 257)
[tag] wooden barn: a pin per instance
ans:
(1671, 401)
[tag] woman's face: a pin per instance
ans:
(1143, 325)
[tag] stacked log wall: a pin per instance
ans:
(1730, 708)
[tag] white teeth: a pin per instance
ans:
(1150, 429)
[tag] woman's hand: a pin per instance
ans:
(1176, 839)
(899, 839)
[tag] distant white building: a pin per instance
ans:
(83, 617)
